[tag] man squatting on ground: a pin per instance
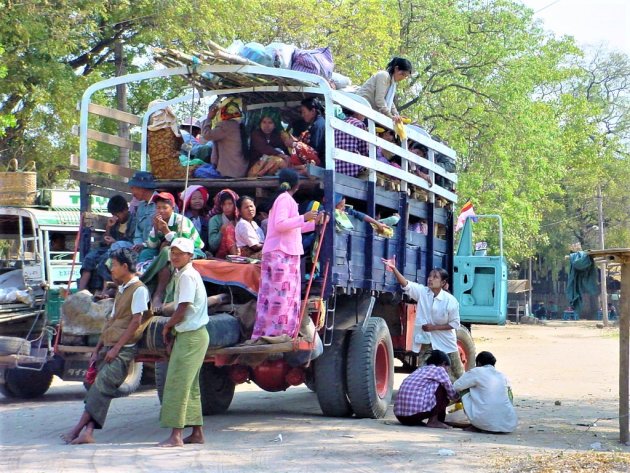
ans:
(116, 348)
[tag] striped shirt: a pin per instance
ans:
(417, 391)
(179, 226)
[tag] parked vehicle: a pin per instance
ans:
(357, 308)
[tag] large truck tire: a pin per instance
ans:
(161, 368)
(131, 383)
(370, 369)
(217, 389)
(26, 384)
(330, 378)
(466, 348)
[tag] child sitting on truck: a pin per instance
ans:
(167, 225)
(249, 236)
(221, 227)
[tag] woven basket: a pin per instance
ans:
(18, 187)
(163, 148)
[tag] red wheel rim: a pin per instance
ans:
(462, 354)
(381, 370)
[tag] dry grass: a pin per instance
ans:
(564, 462)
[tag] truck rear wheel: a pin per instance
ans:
(217, 389)
(370, 369)
(466, 348)
(26, 384)
(161, 368)
(330, 379)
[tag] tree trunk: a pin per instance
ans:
(121, 99)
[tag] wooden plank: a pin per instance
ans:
(95, 190)
(113, 140)
(13, 360)
(240, 349)
(268, 348)
(624, 347)
(102, 166)
(99, 181)
(115, 114)
(73, 349)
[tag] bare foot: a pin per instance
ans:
(69, 436)
(436, 424)
(195, 438)
(471, 428)
(85, 437)
(171, 443)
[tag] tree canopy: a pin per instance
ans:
(538, 124)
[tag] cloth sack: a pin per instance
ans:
(207, 171)
(314, 61)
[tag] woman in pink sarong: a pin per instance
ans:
(279, 296)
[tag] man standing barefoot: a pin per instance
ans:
(116, 348)
(181, 402)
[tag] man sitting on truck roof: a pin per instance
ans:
(116, 347)
(119, 233)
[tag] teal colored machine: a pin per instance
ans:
(480, 281)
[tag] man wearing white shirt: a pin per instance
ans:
(181, 403)
(437, 315)
(488, 403)
(116, 347)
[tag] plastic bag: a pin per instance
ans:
(256, 52)
(13, 294)
(340, 81)
(90, 374)
(281, 54)
(236, 47)
(207, 171)
(81, 316)
(400, 131)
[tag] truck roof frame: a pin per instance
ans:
(261, 80)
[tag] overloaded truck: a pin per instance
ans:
(356, 321)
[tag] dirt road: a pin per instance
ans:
(572, 364)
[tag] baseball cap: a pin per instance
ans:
(165, 196)
(184, 244)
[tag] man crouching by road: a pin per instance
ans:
(181, 402)
(116, 348)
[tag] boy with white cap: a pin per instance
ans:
(181, 402)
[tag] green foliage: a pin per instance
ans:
(537, 127)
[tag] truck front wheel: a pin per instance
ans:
(370, 369)
(26, 384)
